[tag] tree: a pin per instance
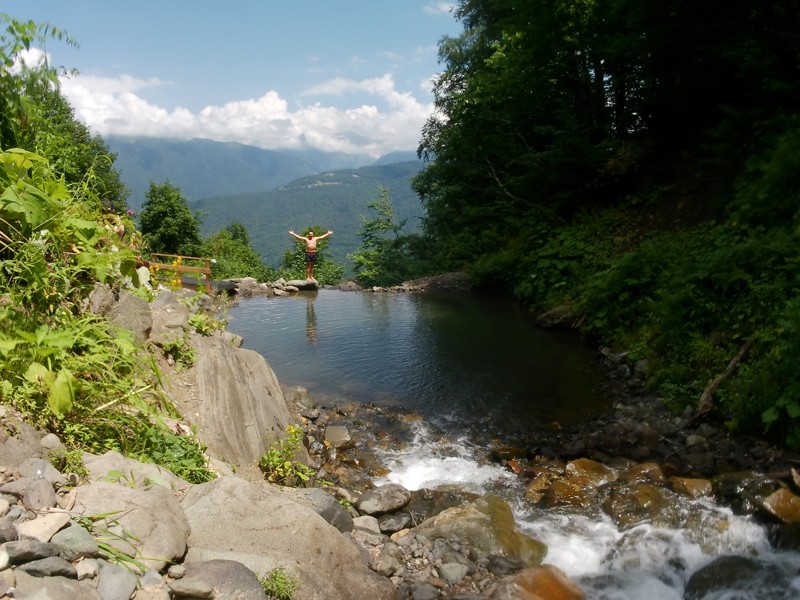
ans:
(51, 130)
(386, 256)
(167, 224)
(15, 38)
(234, 255)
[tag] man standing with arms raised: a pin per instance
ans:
(311, 250)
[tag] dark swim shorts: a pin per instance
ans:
(311, 257)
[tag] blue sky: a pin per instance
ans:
(337, 75)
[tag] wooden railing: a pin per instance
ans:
(170, 265)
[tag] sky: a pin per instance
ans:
(349, 76)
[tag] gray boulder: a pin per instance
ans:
(252, 523)
(230, 580)
(148, 518)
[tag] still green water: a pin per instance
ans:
(461, 361)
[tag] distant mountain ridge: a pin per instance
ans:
(204, 168)
(271, 191)
(334, 200)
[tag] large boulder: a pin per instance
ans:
(487, 526)
(255, 524)
(240, 409)
(146, 519)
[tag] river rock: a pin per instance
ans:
(75, 543)
(240, 408)
(744, 491)
(44, 526)
(628, 506)
(736, 577)
(115, 582)
(383, 499)
(115, 468)
(150, 518)
(594, 472)
(132, 313)
(54, 588)
(784, 505)
(324, 504)
(540, 583)
(252, 523)
(692, 487)
(229, 579)
(569, 492)
(52, 566)
(487, 526)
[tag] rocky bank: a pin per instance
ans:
(129, 530)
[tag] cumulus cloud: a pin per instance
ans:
(114, 106)
(439, 8)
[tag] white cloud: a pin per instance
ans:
(114, 106)
(31, 58)
(439, 8)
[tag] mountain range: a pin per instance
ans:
(271, 191)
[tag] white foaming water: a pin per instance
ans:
(426, 465)
(640, 562)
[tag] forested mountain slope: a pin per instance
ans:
(333, 200)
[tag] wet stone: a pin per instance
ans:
(393, 523)
(784, 505)
(383, 499)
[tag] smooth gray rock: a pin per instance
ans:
(325, 505)
(23, 551)
(75, 542)
(54, 588)
(132, 313)
(260, 527)
(115, 582)
(8, 533)
(191, 588)
(240, 406)
(52, 566)
(134, 473)
(383, 499)
(230, 579)
(151, 514)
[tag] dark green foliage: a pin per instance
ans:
(639, 162)
(15, 37)
(52, 131)
(387, 256)
(166, 222)
(234, 256)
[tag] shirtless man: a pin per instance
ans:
(311, 250)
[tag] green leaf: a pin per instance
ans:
(62, 393)
(770, 415)
(793, 409)
(38, 373)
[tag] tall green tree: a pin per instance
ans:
(16, 37)
(386, 256)
(51, 129)
(234, 255)
(167, 223)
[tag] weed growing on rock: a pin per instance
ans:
(279, 464)
(278, 584)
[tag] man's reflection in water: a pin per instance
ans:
(311, 321)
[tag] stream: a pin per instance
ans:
(477, 370)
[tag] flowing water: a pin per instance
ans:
(477, 369)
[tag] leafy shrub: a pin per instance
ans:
(279, 463)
